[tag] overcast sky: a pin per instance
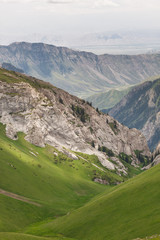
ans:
(77, 16)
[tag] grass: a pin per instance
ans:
(20, 236)
(111, 176)
(127, 211)
(58, 183)
(13, 77)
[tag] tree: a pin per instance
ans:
(92, 144)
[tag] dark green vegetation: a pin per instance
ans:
(127, 211)
(109, 99)
(80, 73)
(80, 112)
(106, 150)
(139, 109)
(143, 159)
(113, 126)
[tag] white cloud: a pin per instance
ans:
(59, 2)
(74, 3)
(105, 3)
(97, 3)
(54, 16)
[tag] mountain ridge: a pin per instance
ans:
(48, 164)
(140, 108)
(48, 115)
(78, 72)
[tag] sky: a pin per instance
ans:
(22, 17)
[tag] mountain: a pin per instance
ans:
(55, 149)
(48, 115)
(80, 73)
(40, 183)
(112, 42)
(10, 67)
(155, 157)
(141, 109)
(108, 99)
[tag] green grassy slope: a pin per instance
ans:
(108, 99)
(128, 211)
(58, 183)
(21, 236)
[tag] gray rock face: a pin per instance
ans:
(156, 155)
(156, 160)
(51, 116)
(101, 181)
(140, 108)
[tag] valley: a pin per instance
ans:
(50, 188)
(79, 120)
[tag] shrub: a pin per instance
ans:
(61, 100)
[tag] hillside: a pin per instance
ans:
(80, 73)
(37, 183)
(55, 149)
(128, 211)
(141, 109)
(48, 115)
(54, 154)
(108, 99)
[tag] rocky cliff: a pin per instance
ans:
(48, 115)
(141, 109)
(156, 156)
(80, 73)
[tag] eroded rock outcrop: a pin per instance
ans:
(48, 115)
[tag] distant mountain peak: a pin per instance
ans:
(78, 72)
(140, 108)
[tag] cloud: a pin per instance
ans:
(73, 7)
(59, 2)
(105, 3)
(75, 3)
(16, 1)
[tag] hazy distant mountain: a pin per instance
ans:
(10, 67)
(140, 108)
(108, 99)
(111, 42)
(80, 73)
